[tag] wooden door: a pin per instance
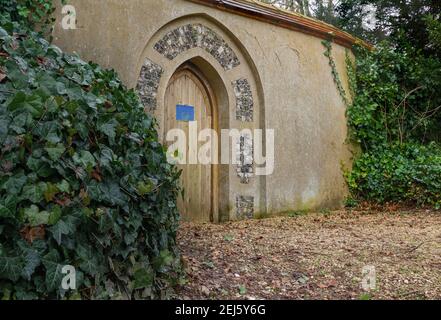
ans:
(185, 88)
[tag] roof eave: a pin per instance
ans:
(287, 20)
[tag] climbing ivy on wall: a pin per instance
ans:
(328, 53)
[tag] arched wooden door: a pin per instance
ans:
(187, 89)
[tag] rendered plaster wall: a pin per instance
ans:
(264, 76)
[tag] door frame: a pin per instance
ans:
(194, 72)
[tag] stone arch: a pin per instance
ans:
(171, 42)
(202, 40)
(197, 35)
(148, 84)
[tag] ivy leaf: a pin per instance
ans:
(63, 186)
(54, 276)
(109, 191)
(84, 159)
(23, 11)
(5, 212)
(89, 262)
(32, 260)
(54, 215)
(143, 278)
(10, 268)
(31, 103)
(3, 34)
(107, 156)
(165, 259)
(40, 167)
(50, 192)
(15, 183)
(105, 222)
(62, 228)
(55, 153)
(58, 230)
(4, 123)
(35, 217)
(8, 206)
(109, 129)
(49, 131)
(144, 187)
(20, 122)
(34, 193)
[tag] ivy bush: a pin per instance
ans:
(400, 172)
(83, 180)
(30, 13)
(395, 117)
(396, 97)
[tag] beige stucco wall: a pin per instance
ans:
(292, 85)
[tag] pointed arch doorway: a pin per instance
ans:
(189, 91)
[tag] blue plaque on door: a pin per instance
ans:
(184, 113)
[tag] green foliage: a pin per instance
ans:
(325, 10)
(397, 97)
(434, 28)
(408, 172)
(365, 297)
(334, 71)
(402, 22)
(29, 13)
(395, 118)
(295, 214)
(83, 180)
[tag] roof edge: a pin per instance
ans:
(285, 19)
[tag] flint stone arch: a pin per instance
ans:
(182, 41)
(197, 35)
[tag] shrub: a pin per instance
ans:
(30, 13)
(395, 117)
(409, 172)
(83, 180)
(396, 97)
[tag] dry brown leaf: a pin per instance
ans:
(2, 75)
(30, 234)
(65, 202)
(96, 175)
(328, 252)
(41, 60)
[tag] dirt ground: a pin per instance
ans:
(315, 256)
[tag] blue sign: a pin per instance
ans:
(184, 113)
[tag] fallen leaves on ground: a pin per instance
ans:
(315, 256)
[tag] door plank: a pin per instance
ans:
(185, 88)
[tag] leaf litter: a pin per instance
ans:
(314, 256)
